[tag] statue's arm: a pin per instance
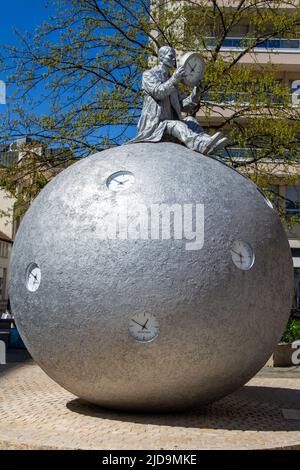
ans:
(157, 89)
(190, 103)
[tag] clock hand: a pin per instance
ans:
(144, 327)
(239, 254)
(137, 323)
(35, 277)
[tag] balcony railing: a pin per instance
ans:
(292, 208)
(244, 42)
(248, 154)
(242, 99)
(237, 153)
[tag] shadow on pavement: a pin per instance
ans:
(251, 408)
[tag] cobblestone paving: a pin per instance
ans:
(37, 413)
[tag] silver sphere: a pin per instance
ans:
(213, 315)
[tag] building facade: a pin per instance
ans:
(283, 55)
(7, 157)
(5, 252)
(10, 155)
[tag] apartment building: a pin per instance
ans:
(283, 55)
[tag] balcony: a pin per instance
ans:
(281, 52)
(238, 99)
(239, 43)
(219, 106)
(259, 156)
(239, 154)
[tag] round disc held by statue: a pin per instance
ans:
(194, 67)
(150, 277)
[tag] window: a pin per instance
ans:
(239, 30)
(292, 203)
(3, 249)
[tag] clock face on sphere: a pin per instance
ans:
(194, 68)
(120, 181)
(33, 277)
(144, 327)
(242, 255)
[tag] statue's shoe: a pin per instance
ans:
(208, 143)
(219, 144)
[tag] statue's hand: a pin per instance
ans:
(179, 74)
(197, 90)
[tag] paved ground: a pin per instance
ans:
(35, 413)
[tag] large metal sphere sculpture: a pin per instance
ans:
(161, 323)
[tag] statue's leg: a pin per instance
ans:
(183, 133)
(217, 140)
(202, 142)
(193, 124)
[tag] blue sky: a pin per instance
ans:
(23, 15)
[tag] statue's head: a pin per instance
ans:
(167, 56)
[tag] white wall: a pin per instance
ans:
(6, 206)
